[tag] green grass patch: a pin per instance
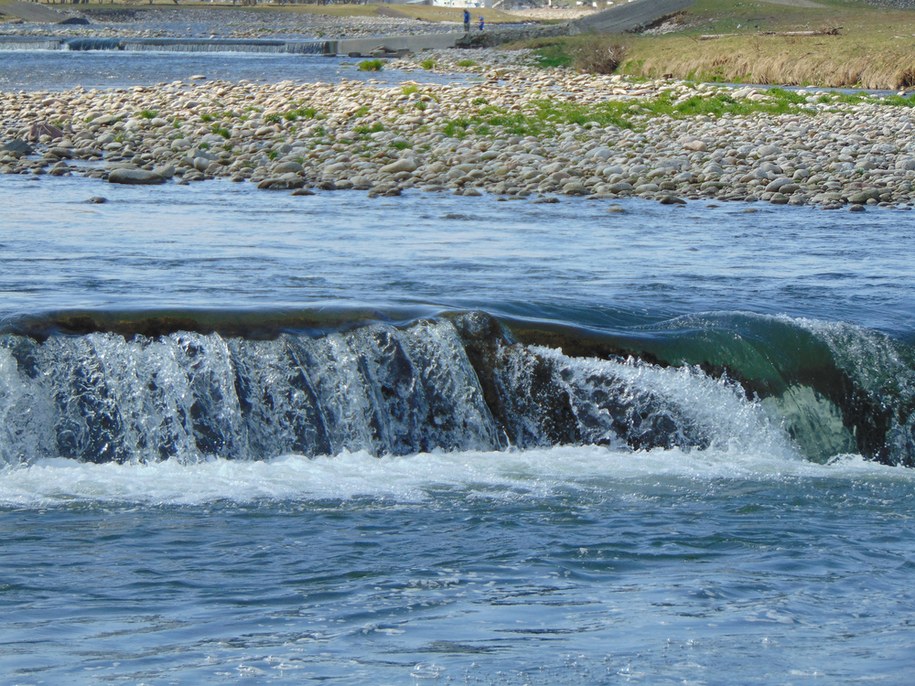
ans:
(409, 89)
(866, 98)
(466, 64)
(149, 114)
(428, 64)
(221, 131)
(457, 128)
(370, 65)
(300, 113)
(545, 117)
(366, 129)
(552, 56)
(896, 100)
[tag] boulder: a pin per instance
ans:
(140, 177)
(404, 164)
(17, 147)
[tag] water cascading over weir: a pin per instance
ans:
(456, 382)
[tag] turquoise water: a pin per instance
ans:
(253, 437)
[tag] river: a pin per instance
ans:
(255, 437)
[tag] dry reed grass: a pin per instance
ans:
(777, 60)
(869, 47)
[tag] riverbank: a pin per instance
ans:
(828, 43)
(513, 129)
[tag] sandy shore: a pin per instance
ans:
(464, 138)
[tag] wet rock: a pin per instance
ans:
(17, 147)
(863, 196)
(141, 177)
(288, 167)
(282, 183)
(165, 171)
(779, 184)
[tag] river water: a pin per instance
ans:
(431, 439)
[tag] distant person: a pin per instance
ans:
(466, 21)
(481, 22)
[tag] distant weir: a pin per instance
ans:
(253, 45)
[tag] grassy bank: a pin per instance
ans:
(847, 44)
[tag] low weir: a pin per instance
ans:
(82, 43)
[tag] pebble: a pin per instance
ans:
(360, 135)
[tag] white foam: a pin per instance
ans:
(512, 475)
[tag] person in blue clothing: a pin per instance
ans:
(466, 21)
(481, 22)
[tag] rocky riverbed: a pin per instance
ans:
(511, 129)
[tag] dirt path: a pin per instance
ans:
(627, 17)
(31, 12)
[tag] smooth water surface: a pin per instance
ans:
(210, 246)
(39, 70)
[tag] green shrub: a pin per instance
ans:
(371, 65)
